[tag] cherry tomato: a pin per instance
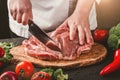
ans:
(41, 76)
(100, 35)
(2, 52)
(24, 69)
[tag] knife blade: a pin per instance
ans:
(41, 35)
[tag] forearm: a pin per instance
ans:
(84, 6)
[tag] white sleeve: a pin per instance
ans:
(98, 1)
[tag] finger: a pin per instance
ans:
(72, 31)
(14, 14)
(81, 35)
(64, 25)
(25, 17)
(11, 12)
(31, 15)
(19, 17)
(89, 37)
(60, 29)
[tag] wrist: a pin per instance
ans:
(84, 7)
(82, 11)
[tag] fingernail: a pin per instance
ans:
(89, 41)
(81, 42)
(71, 38)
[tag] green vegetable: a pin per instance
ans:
(6, 46)
(113, 41)
(48, 70)
(114, 37)
(56, 74)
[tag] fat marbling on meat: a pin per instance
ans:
(71, 49)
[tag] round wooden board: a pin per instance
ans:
(97, 54)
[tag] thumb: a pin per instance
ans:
(62, 28)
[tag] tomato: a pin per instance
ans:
(41, 76)
(24, 69)
(100, 35)
(2, 52)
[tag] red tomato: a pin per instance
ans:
(41, 76)
(2, 52)
(24, 69)
(100, 35)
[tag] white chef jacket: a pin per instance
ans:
(48, 15)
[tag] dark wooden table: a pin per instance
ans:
(82, 73)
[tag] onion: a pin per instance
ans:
(9, 75)
(2, 52)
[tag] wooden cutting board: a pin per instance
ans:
(97, 54)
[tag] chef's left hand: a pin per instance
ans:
(78, 23)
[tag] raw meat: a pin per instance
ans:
(35, 48)
(71, 49)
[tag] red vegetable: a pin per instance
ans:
(1, 63)
(2, 52)
(9, 75)
(115, 65)
(117, 54)
(100, 35)
(24, 69)
(41, 76)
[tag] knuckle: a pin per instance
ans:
(18, 19)
(87, 28)
(28, 8)
(20, 10)
(12, 10)
(75, 23)
(24, 9)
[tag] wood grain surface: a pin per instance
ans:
(97, 54)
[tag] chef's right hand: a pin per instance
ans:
(21, 10)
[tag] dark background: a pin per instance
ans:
(108, 15)
(4, 23)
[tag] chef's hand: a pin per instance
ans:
(21, 10)
(78, 23)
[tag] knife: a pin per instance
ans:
(41, 35)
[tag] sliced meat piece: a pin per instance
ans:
(53, 45)
(71, 49)
(68, 47)
(37, 49)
